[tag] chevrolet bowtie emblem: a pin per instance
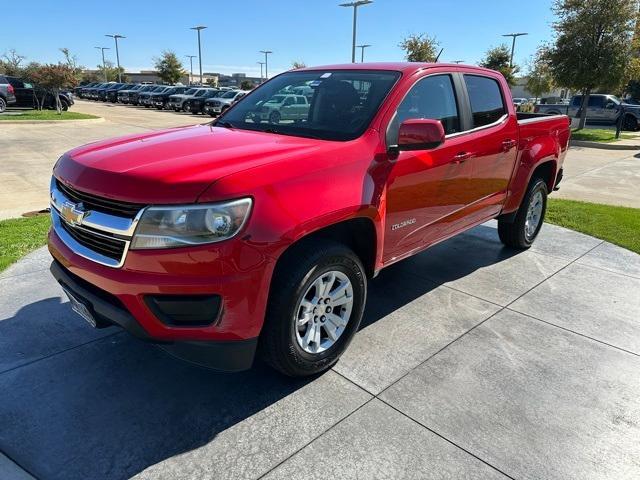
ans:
(72, 213)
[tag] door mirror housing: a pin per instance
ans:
(420, 134)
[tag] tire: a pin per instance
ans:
(630, 123)
(291, 347)
(65, 106)
(186, 107)
(274, 117)
(3, 105)
(522, 232)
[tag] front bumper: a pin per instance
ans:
(108, 311)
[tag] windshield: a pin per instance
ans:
(229, 94)
(200, 93)
(341, 105)
(191, 91)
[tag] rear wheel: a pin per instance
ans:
(315, 306)
(524, 229)
(3, 105)
(274, 117)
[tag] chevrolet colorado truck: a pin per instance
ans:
(242, 237)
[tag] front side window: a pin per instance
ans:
(596, 102)
(432, 97)
(341, 106)
(487, 105)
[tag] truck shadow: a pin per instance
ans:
(112, 406)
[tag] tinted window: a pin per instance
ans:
(596, 102)
(432, 97)
(486, 100)
(577, 100)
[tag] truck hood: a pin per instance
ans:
(172, 166)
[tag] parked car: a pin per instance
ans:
(78, 90)
(134, 97)
(112, 93)
(216, 106)
(28, 95)
(124, 95)
(176, 102)
(195, 105)
(7, 94)
(283, 108)
(84, 92)
(160, 99)
(601, 109)
(102, 93)
(212, 239)
(146, 98)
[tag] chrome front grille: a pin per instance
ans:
(93, 227)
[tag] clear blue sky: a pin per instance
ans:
(314, 31)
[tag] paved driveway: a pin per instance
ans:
(473, 361)
(28, 152)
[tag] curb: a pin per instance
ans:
(48, 122)
(602, 145)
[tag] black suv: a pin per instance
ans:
(25, 94)
(160, 99)
(7, 94)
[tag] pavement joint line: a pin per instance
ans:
(599, 167)
(574, 332)
(16, 275)
(319, 435)
(120, 332)
(447, 440)
(505, 307)
(608, 270)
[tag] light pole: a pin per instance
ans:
(261, 64)
(457, 61)
(355, 6)
(191, 57)
(513, 44)
(104, 66)
(115, 36)
(362, 47)
(198, 28)
(266, 63)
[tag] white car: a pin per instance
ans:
(283, 107)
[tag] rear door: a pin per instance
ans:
(23, 92)
(493, 140)
(595, 109)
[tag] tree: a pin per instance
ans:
(111, 72)
(169, 68)
(51, 79)
(498, 58)
(420, 48)
(592, 46)
(298, 64)
(539, 78)
(247, 85)
(10, 63)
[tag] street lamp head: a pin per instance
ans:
(363, 46)
(103, 48)
(198, 27)
(266, 52)
(356, 4)
(115, 36)
(514, 34)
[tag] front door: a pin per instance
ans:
(425, 187)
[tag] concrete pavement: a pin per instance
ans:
(473, 361)
(28, 152)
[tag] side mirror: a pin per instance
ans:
(420, 134)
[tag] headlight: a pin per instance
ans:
(166, 227)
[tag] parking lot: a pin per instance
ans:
(472, 361)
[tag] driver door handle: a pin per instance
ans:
(461, 157)
(508, 144)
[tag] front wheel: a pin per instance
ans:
(523, 230)
(3, 105)
(630, 123)
(315, 306)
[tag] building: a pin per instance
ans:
(519, 90)
(151, 76)
(235, 79)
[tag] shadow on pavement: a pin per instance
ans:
(115, 405)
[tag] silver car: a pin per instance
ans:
(176, 102)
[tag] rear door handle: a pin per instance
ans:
(508, 145)
(461, 157)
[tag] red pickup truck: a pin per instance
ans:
(255, 234)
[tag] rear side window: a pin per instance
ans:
(596, 102)
(487, 105)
